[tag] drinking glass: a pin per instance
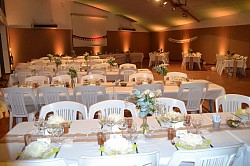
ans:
(122, 125)
(197, 123)
(40, 124)
(101, 119)
(110, 122)
(58, 132)
(131, 129)
(188, 121)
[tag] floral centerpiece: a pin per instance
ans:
(114, 117)
(58, 62)
(190, 50)
(162, 70)
(145, 100)
(192, 141)
(86, 56)
(117, 146)
(111, 62)
(73, 74)
(55, 119)
(38, 150)
(50, 56)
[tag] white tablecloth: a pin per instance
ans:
(71, 152)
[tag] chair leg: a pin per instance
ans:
(11, 122)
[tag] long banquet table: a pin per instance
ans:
(83, 133)
(170, 90)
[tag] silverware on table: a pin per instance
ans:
(206, 139)
(173, 143)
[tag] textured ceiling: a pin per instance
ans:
(149, 14)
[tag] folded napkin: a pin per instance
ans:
(216, 118)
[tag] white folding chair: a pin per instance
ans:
(140, 159)
(47, 73)
(43, 162)
(41, 80)
(89, 95)
(223, 156)
(151, 59)
(170, 103)
(172, 75)
(100, 66)
(231, 102)
(193, 93)
(124, 73)
(127, 66)
(112, 107)
(67, 109)
(47, 95)
(15, 100)
(153, 87)
(61, 78)
(138, 76)
(96, 77)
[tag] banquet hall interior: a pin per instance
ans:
(208, 41)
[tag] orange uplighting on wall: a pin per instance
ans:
(96, 49)
(126, 38)
(185, 46)
(162, 40)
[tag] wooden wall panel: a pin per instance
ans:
(210, 41)
(27, 44)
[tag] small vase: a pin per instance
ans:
(72, 83)
(144, 126)
(163, 81)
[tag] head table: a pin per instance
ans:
(83, 134)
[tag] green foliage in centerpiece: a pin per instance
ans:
(72, 73)
(111, 61)
(162, 69)
(58, 61)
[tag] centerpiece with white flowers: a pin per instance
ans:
(58, 62)
(192, 141)
(145, 101)
(50, 56)
(162, 70)
(118, 146)
(38, 150)
(55, 119)
(111, 62)
(73, 74)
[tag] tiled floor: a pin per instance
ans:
(236, 85)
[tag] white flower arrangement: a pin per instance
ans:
(55, 119)
(162, 69)
(145, 100)
(192, 140)
(37, 150)
(114, 117)
(174, 116)
(116, 146)
(111, 61)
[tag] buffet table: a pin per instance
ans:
(83, 134)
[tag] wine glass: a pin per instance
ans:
(122, 125)
(40, 124)
(58, 132)
(188, 121)
(131, 129)
(101, 119)
(197, 123)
